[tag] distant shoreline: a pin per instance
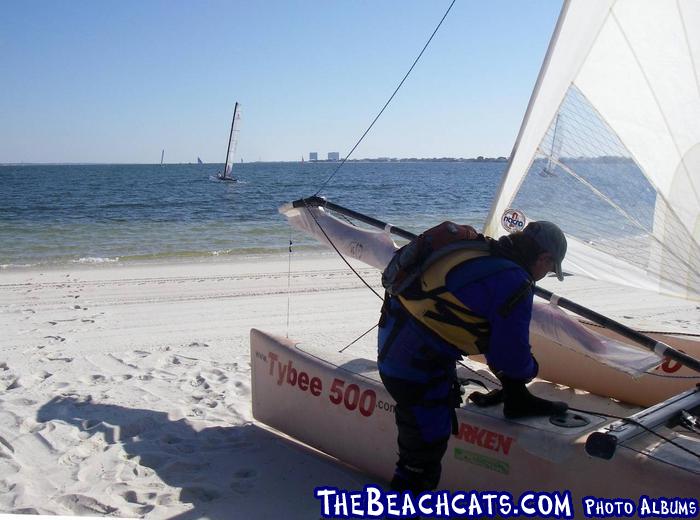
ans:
(322, 161)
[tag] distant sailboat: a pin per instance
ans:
(199, 161)
(231, 149)
(162, 154)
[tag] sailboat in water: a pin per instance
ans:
(225, 175)
(162, 154)
(623, 182)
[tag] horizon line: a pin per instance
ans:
(367, 159)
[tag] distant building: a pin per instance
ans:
(313, 156)
(333, 156)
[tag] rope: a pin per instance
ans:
(464, 365)
(389, 100)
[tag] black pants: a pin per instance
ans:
(425, 418)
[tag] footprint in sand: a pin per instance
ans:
(14, 384)
(144, 499)
(85, 505)
(243, 480)
(179, 360)
(221, 376)
(6, 468)
(165, 499)
(60, 358)
(55, 339)
(198, 494)
(5, 448)
(241, 388)
(170, 439)
(199, 381)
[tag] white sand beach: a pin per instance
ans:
(125, 389)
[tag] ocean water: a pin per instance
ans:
(64, 214)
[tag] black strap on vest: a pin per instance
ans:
(521, 292)
(399, 318)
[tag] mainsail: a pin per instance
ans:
(232, 143)
(623, 180)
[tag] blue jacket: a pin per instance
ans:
(417, 354)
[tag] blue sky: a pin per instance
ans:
(117, 81)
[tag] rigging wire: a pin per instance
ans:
(388, 101)
(403, 80)
(308, 208)
(359, 338)
(642, 426)
(652, 457)
(353, 270)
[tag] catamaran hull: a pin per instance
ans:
(571, 368)
(350, 416)
(559, 361)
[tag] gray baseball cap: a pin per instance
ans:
(551, 239)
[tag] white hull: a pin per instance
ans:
(294, 392)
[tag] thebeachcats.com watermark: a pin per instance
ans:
(374, 502)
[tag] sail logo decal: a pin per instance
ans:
(513, 220)
(356, 250)
(670, 366)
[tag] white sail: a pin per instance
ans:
(624, 184)
(233, 140)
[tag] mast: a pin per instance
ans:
(230, 136)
